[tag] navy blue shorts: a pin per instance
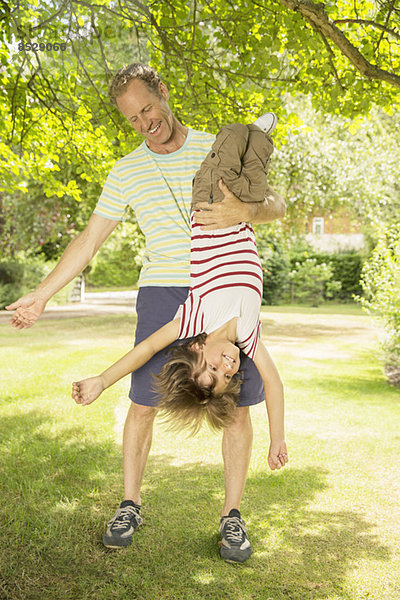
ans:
(156, 306)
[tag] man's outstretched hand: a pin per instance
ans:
(27, 310)
(230, 211)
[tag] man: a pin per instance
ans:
(156, 180)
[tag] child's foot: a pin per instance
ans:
(234, 544)
(122, 526)
(267, 122)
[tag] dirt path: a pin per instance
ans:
(96, 304)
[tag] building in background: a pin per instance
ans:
(335, 232)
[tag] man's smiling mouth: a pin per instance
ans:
(156, 128)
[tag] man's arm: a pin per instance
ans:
(274, 400)
(231, 211)
(86, 391)
(75, 258)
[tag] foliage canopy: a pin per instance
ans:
(223, 61)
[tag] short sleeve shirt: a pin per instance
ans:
(158, 187)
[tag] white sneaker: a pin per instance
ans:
(267, 122)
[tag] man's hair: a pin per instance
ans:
(184, 402)
(133, 71)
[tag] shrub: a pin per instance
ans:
(118, 260)
(18, 278)
(381, 285)
(275, 263)
(313, 282)
(346, 268)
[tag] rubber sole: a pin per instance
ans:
(115, 546)
(234, 555)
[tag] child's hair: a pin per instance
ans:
(184, 401)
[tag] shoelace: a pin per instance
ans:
(234, 530)
(123, 517)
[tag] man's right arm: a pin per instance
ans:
(75, 258)
(231, 211)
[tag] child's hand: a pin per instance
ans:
(86, 391)
(277, 456)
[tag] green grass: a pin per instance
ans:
(326, 527)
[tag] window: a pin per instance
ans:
(318, 225)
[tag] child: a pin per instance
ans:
(220, 315)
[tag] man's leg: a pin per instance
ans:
(155, 306)
(236, 450)
(138, 434)
(237, 442)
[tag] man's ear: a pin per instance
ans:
(163, 90)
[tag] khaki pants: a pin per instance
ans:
(239, 156)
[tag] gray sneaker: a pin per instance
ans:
(122, 526)
(234, 544)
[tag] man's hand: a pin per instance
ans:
(277, 456)
(230, 211)
(86, 391)
(27, 310)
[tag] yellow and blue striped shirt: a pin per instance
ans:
(158, 187)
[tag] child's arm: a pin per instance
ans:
(86, 391)
(273, 388)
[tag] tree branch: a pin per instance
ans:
(317, 17)
(56, 14)
(372, 23)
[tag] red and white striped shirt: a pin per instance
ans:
(225, 282)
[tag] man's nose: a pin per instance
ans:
(145, 123)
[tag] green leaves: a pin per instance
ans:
(222, 62)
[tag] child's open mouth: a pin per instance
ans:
(229, 358)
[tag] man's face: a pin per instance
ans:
(147, 112)
(222, 362)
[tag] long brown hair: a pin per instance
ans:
(184, 402)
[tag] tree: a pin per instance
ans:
(381, 284)
(223, 61)
(327, 162)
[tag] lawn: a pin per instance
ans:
(326, 527)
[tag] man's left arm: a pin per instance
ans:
(231, 211)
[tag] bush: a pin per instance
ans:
(275, 276)
(18, 278)
(381, 285)
(118, 260)
(313, 282)
(275, 263)
(346, 268)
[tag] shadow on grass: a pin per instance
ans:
(58, 492)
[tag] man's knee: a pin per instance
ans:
(139, 414)
(241, 419)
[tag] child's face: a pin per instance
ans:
(222, 363)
